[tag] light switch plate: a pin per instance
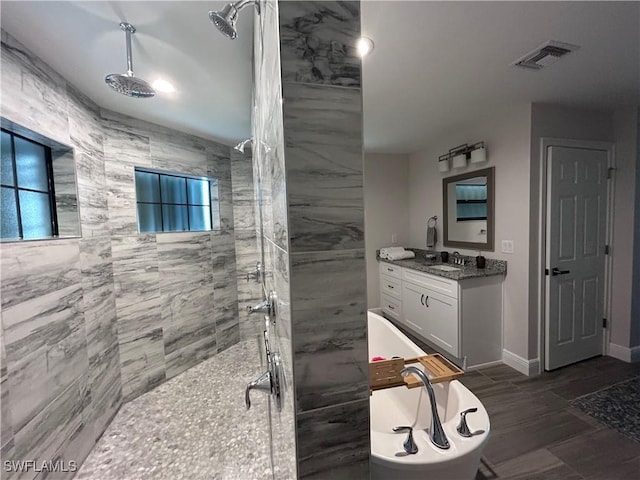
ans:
(394, 238)
(507, 246)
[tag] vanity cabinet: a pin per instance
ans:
(391, 290)
(461, 319)
(433, 315)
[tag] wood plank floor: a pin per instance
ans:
(537, 435)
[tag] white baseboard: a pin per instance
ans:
(626, 354)
(524, 366)
(484, 365)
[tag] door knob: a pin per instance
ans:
(556, 271)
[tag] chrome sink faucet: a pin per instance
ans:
(457, 258)
(436, 432)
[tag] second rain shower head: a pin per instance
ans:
(225, 20)
(127, 83)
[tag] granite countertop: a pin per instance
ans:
(469, 270)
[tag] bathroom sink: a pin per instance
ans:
(445, 268)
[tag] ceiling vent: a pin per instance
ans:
(546, 54)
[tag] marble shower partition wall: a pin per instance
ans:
(308, 166)
(321, 74)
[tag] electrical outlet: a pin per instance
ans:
(507, 246)
(394, 238)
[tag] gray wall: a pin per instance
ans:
(557, 122)
(90, 322)
(386, 212)
(506, 132)
(312, 201)
(635, 294)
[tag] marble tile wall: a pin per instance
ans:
(61, 371)
(312, 206)
(91, 322)
(246, 243)
(176, 293)
(270, 188)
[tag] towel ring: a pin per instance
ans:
(433, 219)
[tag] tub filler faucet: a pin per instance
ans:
(436, 432)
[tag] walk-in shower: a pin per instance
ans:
(225, 20)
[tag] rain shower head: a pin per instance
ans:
(225, 20)
(127, 83)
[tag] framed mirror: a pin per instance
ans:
(468, 209)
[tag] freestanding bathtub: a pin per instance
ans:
(402, 406)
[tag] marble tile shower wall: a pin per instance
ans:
(312, 207)
(60, 362)
(90, 322)
(176, 293)
(321, 74)
(246, 243)
(268, 168)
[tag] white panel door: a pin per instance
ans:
(575, 256)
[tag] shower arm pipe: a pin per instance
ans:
(243, 3)
(129, 29)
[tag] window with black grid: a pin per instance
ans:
(26, 181)
(170, 202)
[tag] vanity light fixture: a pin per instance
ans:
(478, 153)
(443, 163)
(457, 157)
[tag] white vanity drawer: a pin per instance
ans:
(391, 286)
(439, 284)
(390, 270)
(391, 306)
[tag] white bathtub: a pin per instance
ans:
(398, 406)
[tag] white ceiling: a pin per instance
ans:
(436, 65)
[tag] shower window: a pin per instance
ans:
(170, 202)
(28, 200)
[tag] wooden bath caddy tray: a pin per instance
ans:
(386, 373)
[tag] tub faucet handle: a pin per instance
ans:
(263, 383)
(463, 428)
(409, 444)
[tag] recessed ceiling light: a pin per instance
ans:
(365, 46)
(164, 86)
